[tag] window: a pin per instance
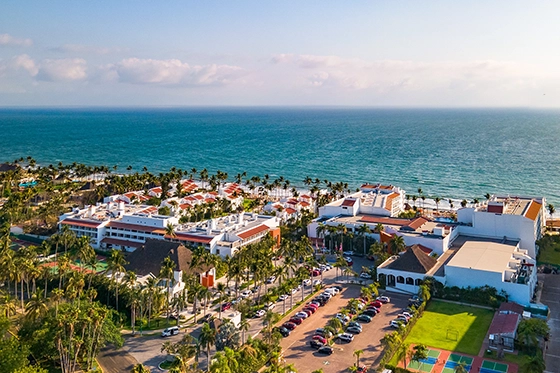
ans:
(400, 279)
(409, 281)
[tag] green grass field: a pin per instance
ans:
(549, 250)
(452, 327)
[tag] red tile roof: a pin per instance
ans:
(290, 211)
(156, 190)
(251, 232)
(114, 241)
(504, 323)
(425, 249)
(185, 206)
(292, 201)
(198, 196)
(190, 238)
(348, 202)
(389, 201)
(304, 204)
(533, 210)
(511, 307)
(209, 200)
(417, 223)
(384, 220)
(305, 196)
(81, 223)
(149, 210)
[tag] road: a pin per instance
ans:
(551, 297)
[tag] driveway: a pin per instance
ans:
(115, 361)
(551, 297)
(298, 352)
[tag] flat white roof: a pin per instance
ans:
(484, 255)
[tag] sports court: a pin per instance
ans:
(425, 365)
(454, 360)
(493, 367)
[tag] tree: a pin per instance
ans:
(115, 265)
(461, 368)
(363, 230)
(183, 351)
(227, 336)
(396, 244)
(358, 353)
(551, 211)
(139, 368)
(535, 365)
(167, 273)
(420, 352)
(530, 331)
(207, 339)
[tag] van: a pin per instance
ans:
(174, 330)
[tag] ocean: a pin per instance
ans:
(450, 153)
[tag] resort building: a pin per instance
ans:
(470, 261)
(381, 200)
(116, 225)
(517, 218)
(290, 208)
(503, 330)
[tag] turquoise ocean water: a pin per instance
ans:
(452, 153)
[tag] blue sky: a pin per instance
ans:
(363, 53)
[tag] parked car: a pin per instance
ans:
(323, 332)
(384, 299)
(345, 337)
(362, 369)
(245, 293)
(296, 320)
(326, 350)
(395, 324)
(377, 310)
(313, 305)
(364, 318)
(349, 260)
(353, 330)
(270, 306)
(306, 282)
(289, 325)
(319, 338)
(315, 273)
(354, 323)
(332, 290)
(349, 253)
(365, 275)
(302, 315)
(283, 331)
(226, 306)
(310, 309)
(308, 312)
(316, 282)
(369, 313)
(260, 313)
(271, 279)
(342, 317)
(405, 314)
(174, 330)
(294, 290)
(376, 303)
(338, 287)
(403, 319)
(316, 344)
(283, 297)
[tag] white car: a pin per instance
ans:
(365, 275)
(301, 315)
(246, 293)
(384, 299)
(349, 253)
(342, 317)
(271, 279)
(333, 290)
(260, 313)
(270, 306)
(283, 297)
(295, 290)
(316, 282)
(346, 337)
(174, 330)
(306, 282)
(327, 295)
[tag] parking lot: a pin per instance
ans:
(305, 358)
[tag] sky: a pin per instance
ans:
(261, 53)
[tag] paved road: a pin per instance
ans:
(551, 297)
(298, 352)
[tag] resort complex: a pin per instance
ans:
(225, 261)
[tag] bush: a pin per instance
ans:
(397, 369)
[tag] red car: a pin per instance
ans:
(310, 309)
(296, 320)
(376, 304)
(315, 273)
(307, 312)
(319, 338)
(313, 305)
(289, 325)
(226, 306)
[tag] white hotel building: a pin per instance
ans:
(122, 226)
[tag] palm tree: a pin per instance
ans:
(464, 203)
(170, 230)
(335, 323)
(437, 200)
(115, 265)
(396, 245)
(535, 365)
(358, 353)
(462, 368)
(207, 339)
(244, 326)
(167, 273)
(551, 211)
(363, 230)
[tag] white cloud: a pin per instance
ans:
(24, 62)
(173, 72)
(383, 75)
(62, 70)
(87, 49)
(9, 40)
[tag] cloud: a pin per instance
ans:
(24, 62)
(62, 70)
(172, 72)
(382, 75)
(10, 41)
(86, 49)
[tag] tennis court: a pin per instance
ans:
(425, 365)
(493, 367)
(454, 360)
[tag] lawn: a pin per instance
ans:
(549, 250)
(452, 327)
